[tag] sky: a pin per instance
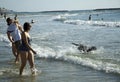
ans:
(50, 5)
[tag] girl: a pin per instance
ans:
(26, 51)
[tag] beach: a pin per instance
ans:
(57, 60)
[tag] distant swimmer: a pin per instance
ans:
(5, 16)
(15, 18)
(32, 21)
(89, 17)
(102, 19)
(85, 49)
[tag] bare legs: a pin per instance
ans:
(15, 53)
(31, 63)
(26, 55)
(14, 50)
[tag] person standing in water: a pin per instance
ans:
(89, 17)
(32, 21)
(26, 51)
(14, 36)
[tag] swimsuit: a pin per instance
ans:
(23, 46)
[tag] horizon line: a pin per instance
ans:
(65, 10)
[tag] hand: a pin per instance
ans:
(13, 42)
(34, 52)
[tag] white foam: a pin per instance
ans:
(59, 18)
(94, 23)
(4, 38)
(1, 72)
(72, 55)
(9, 71)
(95, 64)
(69, 15)
(62, 17)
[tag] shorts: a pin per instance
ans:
(17, 44)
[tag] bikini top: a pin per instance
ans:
(29, 41)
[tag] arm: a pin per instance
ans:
(19, 27)
(17, 24)
(24, 38)
(9, 37)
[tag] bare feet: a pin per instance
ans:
(34, 71)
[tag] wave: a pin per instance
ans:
(72, 55)
(93, 23)
(3, 38)
(4, 42)
(64, 18)
(59, 18)
(95, 64)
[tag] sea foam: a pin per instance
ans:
(72, 55)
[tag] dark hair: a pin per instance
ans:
(8, 19)
(26, 26)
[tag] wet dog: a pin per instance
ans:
(85, 49)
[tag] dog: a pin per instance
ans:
(85, 49)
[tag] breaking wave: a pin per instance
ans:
(71, 55)
(66, 18)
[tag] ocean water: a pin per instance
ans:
(57, 60)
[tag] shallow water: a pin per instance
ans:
(57, 71)
(59, 60)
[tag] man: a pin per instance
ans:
(14, 35)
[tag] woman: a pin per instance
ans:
(26, 51)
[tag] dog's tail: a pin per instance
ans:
(75, 44)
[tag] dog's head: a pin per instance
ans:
(82, 47)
